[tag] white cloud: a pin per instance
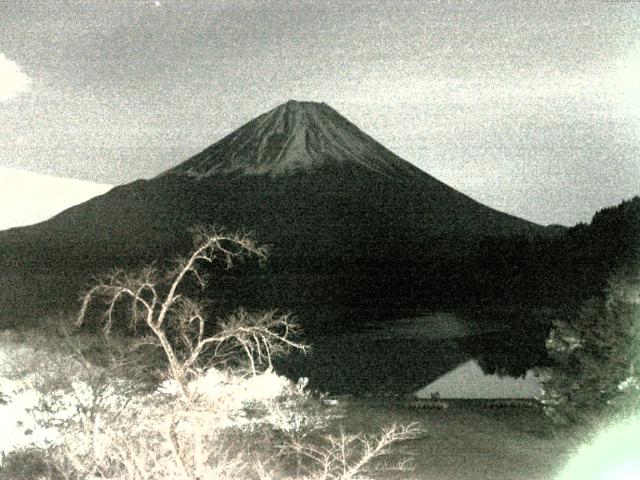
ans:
(28, 198)
(13, 80)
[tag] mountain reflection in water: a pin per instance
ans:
(406, 355)
(469, 381)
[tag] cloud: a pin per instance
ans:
(13, 80)
(29, 198)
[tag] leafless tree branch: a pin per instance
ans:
(259, 336)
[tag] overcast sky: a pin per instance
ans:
(532, 107)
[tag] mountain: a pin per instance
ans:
(337, 209)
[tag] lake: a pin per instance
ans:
(468, 357)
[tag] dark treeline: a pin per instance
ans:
(558, 268)
(562, 268)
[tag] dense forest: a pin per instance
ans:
(567, 267)
(560, 267)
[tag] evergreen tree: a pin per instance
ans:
(596, 357)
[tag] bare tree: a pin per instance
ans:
(186, 435)
(349, 457)
(156, 302)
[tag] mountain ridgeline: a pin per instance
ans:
(355, 233)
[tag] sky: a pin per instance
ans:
(531, 107)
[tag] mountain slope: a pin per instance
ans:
(296, 136)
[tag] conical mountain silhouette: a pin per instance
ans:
(347, 221)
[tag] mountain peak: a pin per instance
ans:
(301, 106)
(294, 136)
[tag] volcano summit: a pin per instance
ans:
(295, 137)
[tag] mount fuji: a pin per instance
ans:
(347, 221)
